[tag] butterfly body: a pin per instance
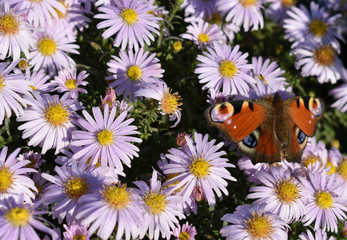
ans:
(268, 130)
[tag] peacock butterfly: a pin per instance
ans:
(268, 130)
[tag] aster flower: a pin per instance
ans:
(13, 179)
(199, 163)
(243, 13)
(130, 71)
(12, 86)
(169, 103)
(315, 155)
(199, 8)
(51, 48)
(105, 138)
(114, 206)
(76, 231)
(18, 220)
(34, 158)
(110, 99)
(277, 10)
(318, 60)
(324, 205)
(253, 222)
(49, 121)
(224, 68)
(316, 25)
(68, 81)
(131, 21)
(187, 231)
(340, 94)
(161, 207)
(37, 80)
(318, 235)
(281, 193)
(203, 34)
(15, 34)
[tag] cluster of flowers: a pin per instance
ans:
(84, 190)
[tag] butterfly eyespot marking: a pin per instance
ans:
(221, 112)
(315, 106)
(300, 135)
(250, 141)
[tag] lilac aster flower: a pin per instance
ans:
(34, 158)
(277, 10)
(12, 86)
(201, 163)
(203, 34)
(187, 231)
(113, 206)
(160, 207)
(49, 121)
(315, 155)
(131, 21)
(318, 60)
(281, 193)
(76, 231)
(68, 81)
(15, 34)
(110, 99)
(243, 13)
(18, 220)
(340, 94)
(199, 8)
(223, 67)
(324, 203)
(13, 179)
(253, 222)
(316, 25)
(130, 71)
(169, 103)
(50, 50)
(37, 80)
(105, 138)
(319, 234)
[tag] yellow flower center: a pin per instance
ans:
(333, 169)
(343, 169)
(129, 16)
(9, 24)
(325, 55)
(18, 216)
(199, 167)
(311, 159)
(5, 179)
(75, 187)
(324, 200)
(170, 102)
(227, 68)
(134, 73)
(288, 3)
(247, 3)
(2, 82)
(71, 84)
(184, 236)
(116, 196)
(177, 46)
(287, 191)
(259, 226)
(155, 201)
(318, 27)
(105, 137)
(57, 114)
(79, 237)
(47, 46)
(203, 38)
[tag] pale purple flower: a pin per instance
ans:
(243, 13)
(315, 155)
(324, 204)
(319, 234)
(187, 231)
(105, 138)
(51, 48)
(115, 206)
(35, 159)
(161, 207)
(13, 179)
(15, 34)
(68, 81)
(277, 10)
(49, 121)
(131, 21)
(199, 162)
(19, 219)
(199, 8)
(12, 87)
(37, 80)
(203, 34)
(340, 94)
(131, 70)
(110, 99)
(224, 69)
(244, 224)
(216, 97)
(76, 231)
(169, 103)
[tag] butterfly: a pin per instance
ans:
(268, 130)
